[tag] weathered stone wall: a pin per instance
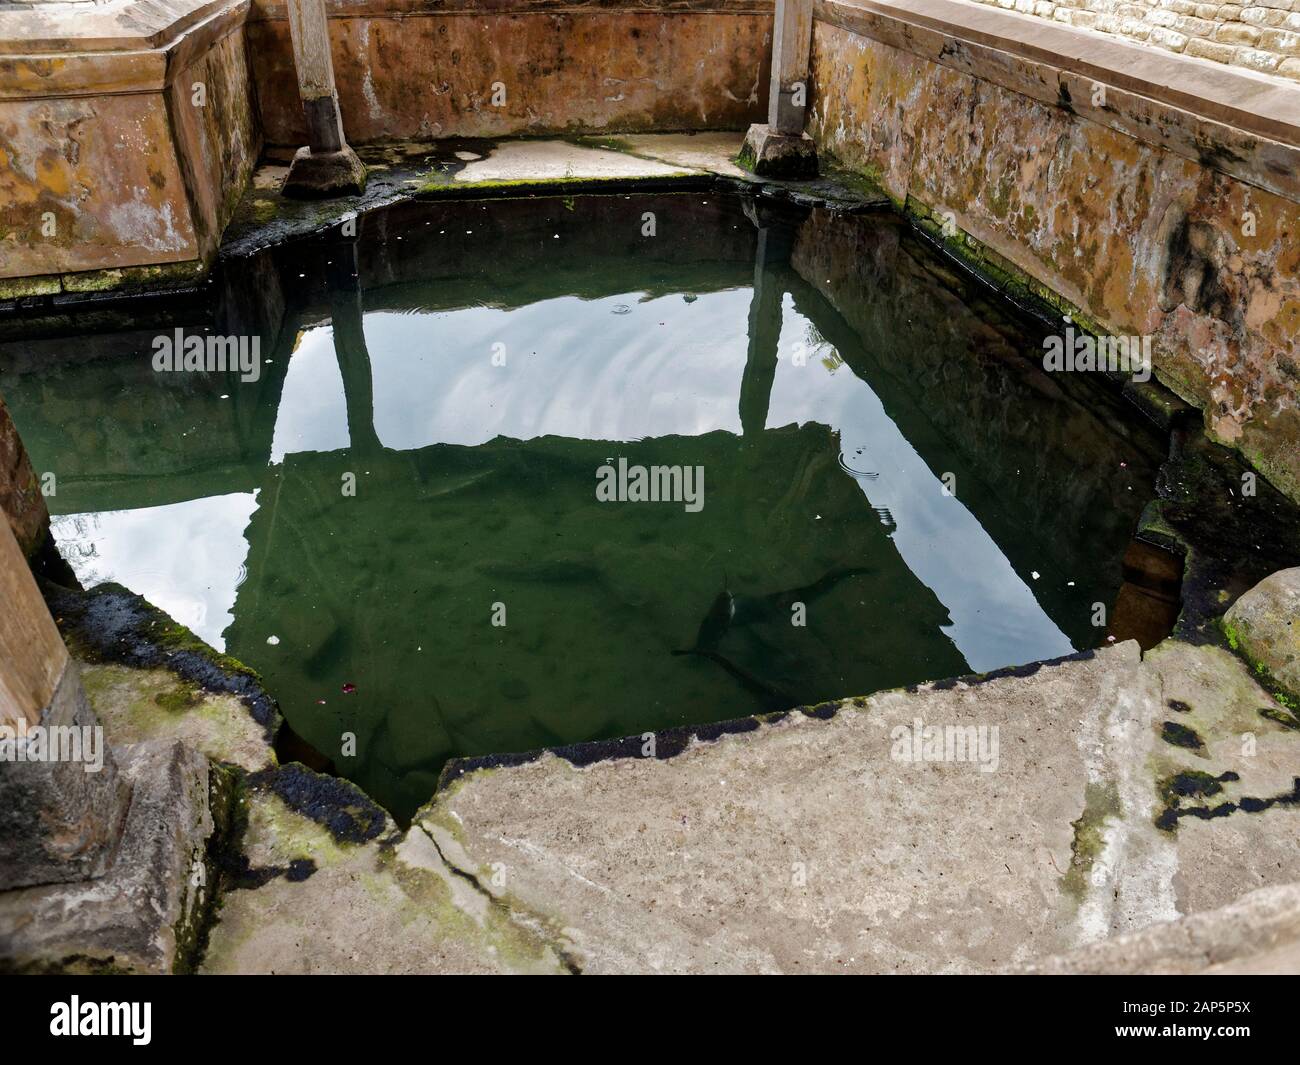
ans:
(1142, 238)
(1257, 34)
(423, 69)
(218, 142)
(127, 147)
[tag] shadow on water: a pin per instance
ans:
(399, 523)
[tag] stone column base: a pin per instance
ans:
(319, 175)
(768, 153)
(146, 912)
(61, 816)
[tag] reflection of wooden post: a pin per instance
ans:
(791, 45)
(58, 821)
(779, 148)
(772, 252)
(347, 319)
(327, 166)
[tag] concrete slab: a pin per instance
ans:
(1230, 796)
(146, 913)
(144, 704)
(711, 152)
(312, 903)
(1257, 934)
(825, 845)
(810, 845)
(548, 160)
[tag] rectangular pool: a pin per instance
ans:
(524, 472)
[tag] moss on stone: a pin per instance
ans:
(16, 288)
(110, 624)
(1283, 696)
(202, 902)
(157, 276)
(1100, 803)
(1283, 717)
(1189, 783)
(179, 699)
(1181, 736)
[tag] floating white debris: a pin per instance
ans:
(273, 640)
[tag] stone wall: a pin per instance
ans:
(424, 69)
(1257, 34)
(126, 138)
(1144, 218)
(21, 503)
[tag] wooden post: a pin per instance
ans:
(779, 148)
(60, 812)
(326, 166)
(32, 654)
(309, 30)
(791, 45)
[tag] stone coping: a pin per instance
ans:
(276, 10)
(134, 25)
(56, 52)
(1245, 100)
(120, 26)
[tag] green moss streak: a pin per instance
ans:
(1100, 802)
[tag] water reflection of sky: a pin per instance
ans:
(185, 558)
(996, 621)
(607, 369)
(618, 368)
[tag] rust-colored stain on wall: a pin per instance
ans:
(88, 182)
(218, 139)
(491, 75)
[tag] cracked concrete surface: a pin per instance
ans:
(390, 905)
(821, 842)
(807, 846)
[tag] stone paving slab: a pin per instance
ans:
(1092, 798)
(550, 160)
(145, 913)
(807, 845)
(312, 903)
(1257, 934)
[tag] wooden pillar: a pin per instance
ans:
(326, 166)
(309, 29)
(62, 809)
(779, 148)
(791, 45)
(32, 654)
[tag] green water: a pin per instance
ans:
(398, 522)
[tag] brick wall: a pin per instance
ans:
(1261, 35)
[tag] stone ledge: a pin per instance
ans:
(1243, 98)
(145, 914)
(1258, 934)
(43, 57)
(277, 11)
(121, 26)
(1240, 122)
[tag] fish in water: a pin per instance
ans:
(729, 609)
